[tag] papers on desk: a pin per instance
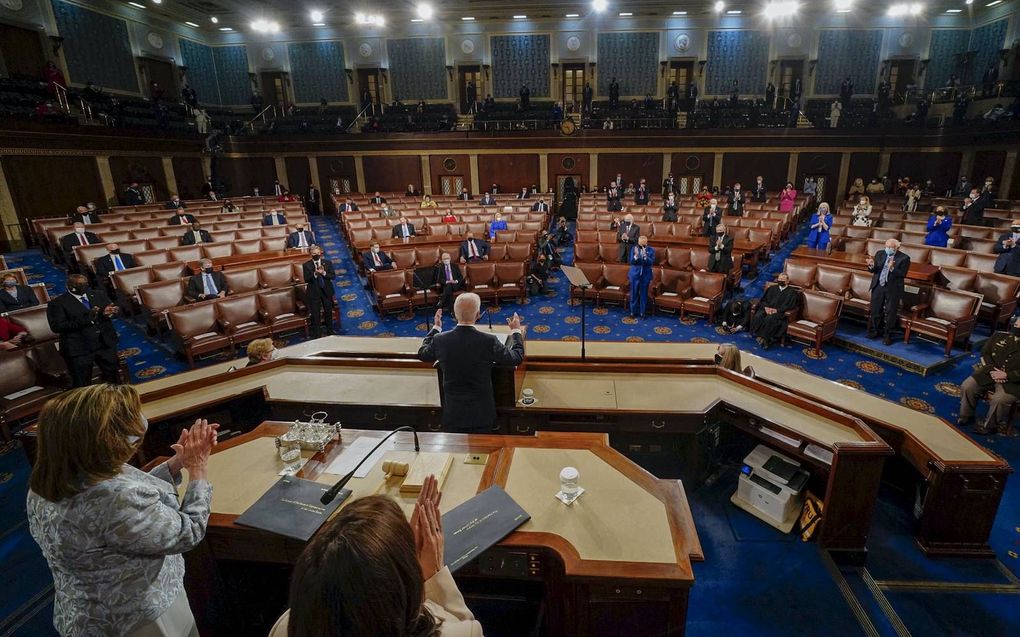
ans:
(353, 453)
(23, 392)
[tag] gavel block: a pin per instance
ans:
(426, 464)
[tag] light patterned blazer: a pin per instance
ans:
(115, 549)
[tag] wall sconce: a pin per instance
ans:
(701, 67)
(254, 79)
(662, 68)
(486, 68)
(449, 72)
(383, 71)
(556, 70)
(57, 42)
(922, 68)
(811, 67)
(350, 75)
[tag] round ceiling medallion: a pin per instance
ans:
(682, 42)
(693, 162)
(568, 163)
(906, 40)
(467, 46)
(573, 43)
(13, 5)
(268, 54)
(794, 40)
(365, 49)
(450, 164)
(154, 40)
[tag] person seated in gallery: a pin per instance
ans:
(374, 259)
(427, 202)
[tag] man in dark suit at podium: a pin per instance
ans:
(890, 268)
(466, 357)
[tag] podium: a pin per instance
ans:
(578, 280)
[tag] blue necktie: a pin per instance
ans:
(210, 287)
(884, 277)
(449, 275)
(117, 264)
(85, 302)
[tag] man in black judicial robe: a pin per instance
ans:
(768, 323)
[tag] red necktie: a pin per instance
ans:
(84, 239)
(375, 257)
(471, 249)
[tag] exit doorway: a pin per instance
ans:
(790, 73)
(369, 93)
(574, 78)
(163, 73)
(274, 90)
(470, 76)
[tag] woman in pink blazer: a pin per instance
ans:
(787, 198)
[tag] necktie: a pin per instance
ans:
(884, 277)
(85, 302)
(117, 264)
(83, 239)
(449, 274)
(375, 257)
(210, 287)
(197, 237)
(471, 249)
(301, 240)
(86, 219)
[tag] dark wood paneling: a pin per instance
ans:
(144, 170)
(299, 175)
(392, 174)
(815, 164)
(942, 168)
(632, 167)
(338, 168)
(190, 175)
(745, 168)
(863, 165)
(988, 163)
(48, 186)
(581, 165)
(241, 174)
(692, 164)
(511, 172)
(461, 165)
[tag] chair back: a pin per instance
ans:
(193, 320)
(860, 285)
(801, 273)
(237, 310)
(35, 322)
(162, 295)
(820, 307)
(616, 274)
(386, 282)
(996, 288)
(278, 302)
(707, 284)
(832, 279)
(951, 305)
(242, 280)
(960, 278)
(277, 275)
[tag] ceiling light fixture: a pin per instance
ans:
(679, 13)
(573, 15)
(191, 24)
(781, 9)
(520, 17)
(135, 4)
(157, 1)
(316, 15)
(468, 18)
(599, 5)
(214, 20)
(225, 29)
(626, 14)
(719, 6)
(844, 6)
(734, 12)
(265, 26)
(992, 4)
(425, 11)
(370, 20)
(954, 10)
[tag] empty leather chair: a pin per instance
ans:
(247, 246)
(112, 236)
(706, 293)
(949, 315)
(185, 253)
(801, 273)
(197, 331)
(917, 253)
(615, 286)
(170, 271)
(678, 258)
(403, 258)
(223, 236)
(962, 279)
(161, 243)
(832, 279)
(518, 252)
(274, 232)
(277, 275)
(671, 289)
(217, 250)
(242, 280)
(510, 280)
(126, 282)
(390, 291)
(980, 262)
(19, 373)
(681, 229)
(699, 258)
(33, 320)
(427, 256)
(942, 257)
(593, 272)
(145, 234)
(506, 236)
(240, 319)
(281, 311)
(587, 236)
(151, 257)
(158, 297)
(273, 244)
(480, 278)
(1000, 297)
(478, 228)
(819, 315)
(247, 234)
(498, 251)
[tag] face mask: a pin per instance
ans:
(208, 270)
(974, 196)
(718, 359)
(115, 251)
(316, 257)
(10, 283)
(719, 234)
(446, 262)
(1013, 228)
(76, 289)
(890, 251)
(145, 427)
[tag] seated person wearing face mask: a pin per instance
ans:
(260, 350)
(768, 323)
(12, 335)
(1008, 261)
(448, 277)
(113, 261)
(375, 259)
(15, 296)
(207, 284)
(999, 374)
(196, 235)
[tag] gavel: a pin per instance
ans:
(395, 468)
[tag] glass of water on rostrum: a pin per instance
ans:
(570, 490)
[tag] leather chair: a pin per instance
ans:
(592, 272)
(801, 273)
(33, 320)
(518, 252)
(671, 289)
(403, 258)
(615, 287)
(248, 246)
(963, 279)
(216, 250)
(832, 279)
(1000, 297)
(162, 243)
(681, 229)
(427, 256)
(480, 278)
(242, 280)
(19, 373)
(240, 318)
(169, 271)
(705, 294)
(248, 234)
(949, 315)
(145, 234)
(185, 253)
(587, 236)
(196, 330)
(917, 254)
(223, 236)
(125, 284)
(510, 280)
(980, 262)
(942, 257)
(497, 251)
(278, 275)
(157, 298)
(361, 237)
(152, 257)
(857, 300)
(678, 258)
(390, 290)
(274, 244)
(281, 311)
(506, 236)
(609, 252)
(699, 258)
(819, 315)
(477, 228)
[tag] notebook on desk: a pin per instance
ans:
(476, 525)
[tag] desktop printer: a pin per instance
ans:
(770, 487)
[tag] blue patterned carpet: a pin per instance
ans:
(753, 581)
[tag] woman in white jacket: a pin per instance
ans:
(369, 573)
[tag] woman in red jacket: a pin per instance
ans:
(787, 198)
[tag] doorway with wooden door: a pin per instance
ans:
(901, 76)
(274, 90)
(790, 73)
(689, 184)
(369, 91)
(22, 51)
(469, 81)
(681, 72)
(574, 78)
(161, 72)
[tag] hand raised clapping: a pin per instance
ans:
(427, 527)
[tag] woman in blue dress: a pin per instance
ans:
(821, 221)
(939, 224)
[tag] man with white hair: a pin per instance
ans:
(627, 234)
(890, 268)
(466, 356)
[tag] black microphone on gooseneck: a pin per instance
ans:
(337, 488)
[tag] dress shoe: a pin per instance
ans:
(1007, 431)
(981, 430)
(871, 334)
(887, 340)
(964, 422)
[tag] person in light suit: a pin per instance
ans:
(357, 563)
(642, 258)
(466, 356)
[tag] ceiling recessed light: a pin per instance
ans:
(157, 1)
(626, 14)
(135, 4)
(600, 5)
(992, 4)
(734, 12)
(520, 17)
(954, 10)
(425, 11)
(468, 18)
(679, 13)
(318, 24)
(315, 15)
(214, 20)
(191, 24)
(225, 29)
(719, 6)
(573, 15)
(416, 20)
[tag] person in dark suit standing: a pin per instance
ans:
(768, 323)
(846, 91)
(319, 294)
(403, 229)
(14, 296)
(300, 238)
(668, 185)
(448, 277)
(540, 205)
(313, 200)
(973, 209)
(1008, 261)
(175, 203)
(614, 94)
(670, 208)
(181, 219)
(711, 217)
(466, 357)
(114, 261)
(207, 284)
(82, 319)
(758, 192)
(720, 251)
(274, 218)
(642, 258)
(627, 234)
(278, 188)
(471, 97)
(998, 374)
(374, 259)
(641, 194)
(473, 250)
(82, 214)
(890, 271)
(196, 235)
(587, 94)
(736, 201)
(208, 187)
(133, 195)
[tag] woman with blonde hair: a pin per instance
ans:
(727, 356)
(260, 350)
(113, 534)
(862, 213)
